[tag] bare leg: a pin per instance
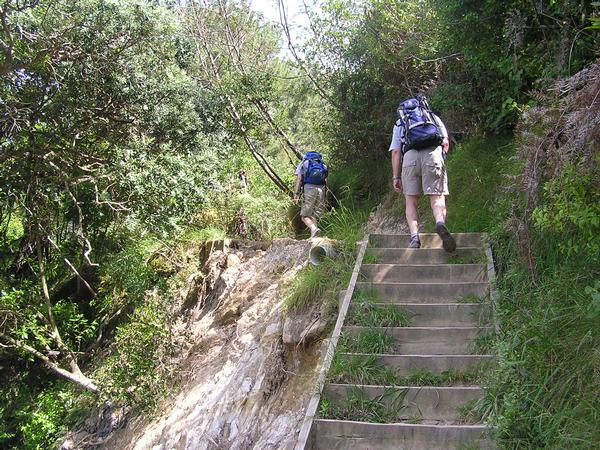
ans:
(438, 207)
(311, 223)
(308, 221)
(412, 216)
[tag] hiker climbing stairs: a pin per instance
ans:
(407, 368)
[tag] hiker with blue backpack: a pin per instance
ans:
(419, 147)
(311, 182)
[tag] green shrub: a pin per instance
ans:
(32, 419)
(138, 370)
(126, 276)
(571, 211)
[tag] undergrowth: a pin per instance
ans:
(324, 282)
(544, 391)
(476, 169)
(364, 311)
(384, 408)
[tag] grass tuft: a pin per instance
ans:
(368, 341)
(359, 369)
(384, 408)
(366, 313)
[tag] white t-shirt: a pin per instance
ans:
(398, 133)
(301, 169)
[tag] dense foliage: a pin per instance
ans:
(113, 142)
(129, 128)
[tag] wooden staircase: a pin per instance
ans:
(446, 299)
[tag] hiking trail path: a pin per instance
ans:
(449, 298)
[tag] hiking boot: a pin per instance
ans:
(414, 242)
(448, 241)
(315, 233)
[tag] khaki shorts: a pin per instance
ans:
(313, 201)
(424, 172)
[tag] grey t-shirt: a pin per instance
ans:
(398, 133)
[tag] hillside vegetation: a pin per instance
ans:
(132, 131)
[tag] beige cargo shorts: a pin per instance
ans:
(313, 201)
(424, 172)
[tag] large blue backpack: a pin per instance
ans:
(420, 128)
(316, 170)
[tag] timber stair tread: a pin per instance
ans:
(431, 314)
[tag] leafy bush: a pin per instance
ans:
(33, 420)
(126, 276)
(138, 370)
(571, 211)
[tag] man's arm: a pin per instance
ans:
(297, 187)
(444, 131)
(397, 169)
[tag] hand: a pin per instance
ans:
(296, 199)
(445, 145)
(397, 182)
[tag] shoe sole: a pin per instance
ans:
(448, 241)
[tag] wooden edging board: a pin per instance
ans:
(491, 272)
(327, 357)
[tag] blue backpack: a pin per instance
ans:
(316, 171)
(420, 129)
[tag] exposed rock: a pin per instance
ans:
(386, 218)
(97, 427)
(233, 260)
(237, 389)
(304, 327)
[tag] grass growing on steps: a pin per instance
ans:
(370, 258)
(359, 369)
(471, 376)
(367, 341)
(470, 413)
(365, 312)
(384, 408)
(366, 369)
(458, 258)
(471, 298)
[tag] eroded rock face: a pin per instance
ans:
(386, 218)
(304, 327)
(242, 387)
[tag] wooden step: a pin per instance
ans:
(439, 314)
(428, 240)
(426, 340)
(410, 403)
(348, 435)
(465, 255)
(405, 365)
(399, 273)
(424, 292)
